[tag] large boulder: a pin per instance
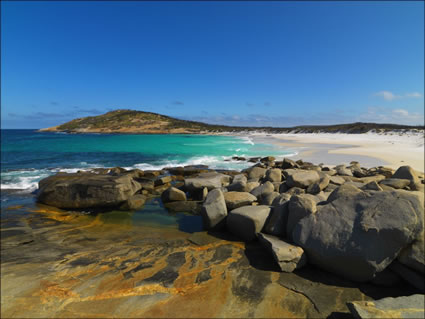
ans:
(372, 186)
(276, 224)
(263, 190)
(86, 190)
(317, 187)
(134, 202)
(288, 163)
(247, 221)
(214, 210)
(358, 234)
(302, 179)
(163, 180)
(238, 183)
(274, 175)
(173, 194)
(269, 198)
(256, 172)
(406, 172)
(413, 256)
(344, 191)
(396, 183)
(250, 186)
(337, 180)
(209, 180)
(368, 179)
(411, 276)
(239, 178)
(399, 307)
(299, 206)
(287, 256)
(238, 199)
(343, 171)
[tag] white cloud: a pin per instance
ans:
(374, 114)
(414, 95)
(401, 112)
(388, 115)
(390, 96)
(387, 95)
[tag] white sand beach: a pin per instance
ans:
(391, 149)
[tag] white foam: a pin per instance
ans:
(27, 179)
(247, 140)
(27, 183)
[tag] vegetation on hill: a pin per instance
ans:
(128, 121)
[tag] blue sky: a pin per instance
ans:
(237, 63)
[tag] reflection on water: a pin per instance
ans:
(153, 214)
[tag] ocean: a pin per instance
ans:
(27, 156)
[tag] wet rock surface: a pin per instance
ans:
(350, 221)
(401, 307)
(65, 264)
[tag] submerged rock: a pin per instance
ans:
(192, 207)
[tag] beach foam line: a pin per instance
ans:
(27, 179)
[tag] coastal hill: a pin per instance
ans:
(130, 121)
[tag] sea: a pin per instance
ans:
(27, 156)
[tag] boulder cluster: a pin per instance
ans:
(362, 224)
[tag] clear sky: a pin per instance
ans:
(238, 63)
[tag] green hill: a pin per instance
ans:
(129, 121)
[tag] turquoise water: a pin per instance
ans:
(28, 156)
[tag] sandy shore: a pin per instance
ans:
(370, 149)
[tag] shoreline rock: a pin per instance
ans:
(351, 221)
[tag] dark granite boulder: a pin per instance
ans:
(276, 223)
(238, 199)
(247, 221)
(214, 210)
(173, 194)
(86, 190)
(399, 307)
(406, 172)
(134, 202)
(302, 179)
(358, 234)
(396, 183)
(209, 180)
(263, 190)
(287, 256)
